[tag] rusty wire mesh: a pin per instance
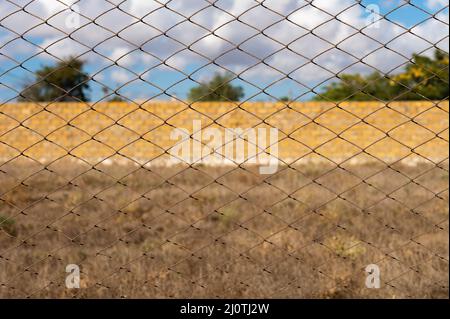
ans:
(89, 183)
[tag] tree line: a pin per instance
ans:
(424, 79)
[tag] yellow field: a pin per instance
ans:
(315, 131)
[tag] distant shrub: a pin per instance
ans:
(219, 89)
(8, 225)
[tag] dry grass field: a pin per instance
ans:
(308, 231)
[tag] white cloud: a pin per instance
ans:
(235, 35)
(437, 3)
(122, 57)
(121, 76)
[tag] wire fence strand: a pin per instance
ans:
(223, 149)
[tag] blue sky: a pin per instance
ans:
(288, 47)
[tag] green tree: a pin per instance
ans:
(426, 78)
(218, 89)
(356, 87)
(63, 82)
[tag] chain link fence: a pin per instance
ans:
(240, 149)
